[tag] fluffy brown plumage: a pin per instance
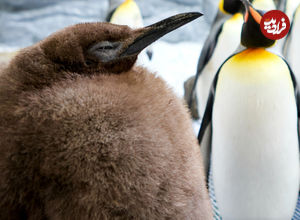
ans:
(81, 139)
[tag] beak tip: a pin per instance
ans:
(155, 31)
(194, 15)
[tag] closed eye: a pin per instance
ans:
(105, 51)
(109, 47)
(105, 45)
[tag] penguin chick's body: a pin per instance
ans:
(292, 45)
(250, 131)
(87, 135)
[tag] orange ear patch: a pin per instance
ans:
(246, 16)
(255, 15)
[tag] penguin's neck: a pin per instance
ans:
(237, 17)
(260, 56)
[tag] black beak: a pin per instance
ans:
(155, 31)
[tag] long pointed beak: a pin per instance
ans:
(155, 31)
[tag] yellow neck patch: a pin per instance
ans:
(126, 2)
(236, 17)
(257, 54)
(128, 13)
(127, 5)
(255, 66)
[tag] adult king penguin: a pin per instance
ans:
(222, 41)
(85, 134)
(250, 131)
(126, 12)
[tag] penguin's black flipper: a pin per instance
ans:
(110, 14)
(208, 48)
(205, 135)
(296, 87)
(205, 132)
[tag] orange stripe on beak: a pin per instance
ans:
(255, 15)
(246, 16)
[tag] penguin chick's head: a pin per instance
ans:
(104, 46)
(230, 6)
(252, 36)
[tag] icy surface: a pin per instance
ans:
(24, 22)
(175, 63)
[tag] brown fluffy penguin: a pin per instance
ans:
(86, 134)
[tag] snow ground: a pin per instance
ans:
(174, 63)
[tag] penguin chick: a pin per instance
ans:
(85, 134)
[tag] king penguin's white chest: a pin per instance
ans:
(255, 149)
(227, 42)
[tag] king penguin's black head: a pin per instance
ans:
(252, 36)
(231, 6)
(105, 46)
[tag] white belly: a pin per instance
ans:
(255, 149)
(228, 42)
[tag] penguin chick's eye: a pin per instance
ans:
(105, 51)
(109, 47)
